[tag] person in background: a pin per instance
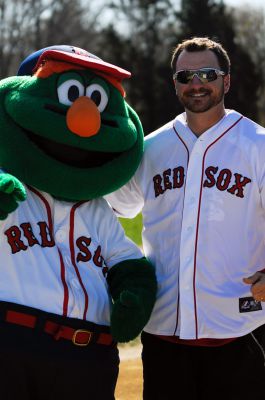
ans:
(201, 190)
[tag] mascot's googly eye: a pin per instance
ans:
(96, 93)
(69, 91)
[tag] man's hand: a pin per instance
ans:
(11, 193)
(257, 282)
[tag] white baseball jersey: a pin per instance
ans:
(203, 205)
(55, 255)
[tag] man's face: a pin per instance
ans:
(196, 96)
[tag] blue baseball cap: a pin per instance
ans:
(71, 54)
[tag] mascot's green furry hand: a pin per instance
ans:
(133, 288)
(11, 193)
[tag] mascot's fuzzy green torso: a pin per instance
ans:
(71, 283)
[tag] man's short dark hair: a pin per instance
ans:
(201, 44)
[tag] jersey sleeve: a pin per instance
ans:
(128, 201)
(262, 192)
(116, 247)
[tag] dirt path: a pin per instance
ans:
(130, 383)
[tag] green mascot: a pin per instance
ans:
(71, 284)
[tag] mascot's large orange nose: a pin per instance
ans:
(83, 117)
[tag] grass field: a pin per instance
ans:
(130, 381)
(133, 228)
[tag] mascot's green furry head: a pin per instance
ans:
(65, 126)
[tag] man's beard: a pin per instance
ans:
(201, 105)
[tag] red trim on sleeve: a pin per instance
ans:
(182, 141)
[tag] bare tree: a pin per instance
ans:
(28, 25)
(250, 33)
(139, 39)
(19, 21)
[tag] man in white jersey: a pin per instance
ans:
(201, 190)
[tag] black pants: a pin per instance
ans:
(34, 366)
(234, 371)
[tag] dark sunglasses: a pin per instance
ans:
(204, 75)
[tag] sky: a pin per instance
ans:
(259, 4)
(252, 3)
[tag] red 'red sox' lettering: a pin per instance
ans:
(226, 180)
(169, 179)
(21, 237)
(83, 243)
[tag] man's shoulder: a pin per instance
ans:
(244, 126)
(160, 135)
(253, 125)
(252, 129)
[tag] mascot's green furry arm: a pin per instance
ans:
(133, 288)
(67, 133)
(11, 193)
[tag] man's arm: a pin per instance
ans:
(128, 201)
(257, 280)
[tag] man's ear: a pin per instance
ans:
(226, 83)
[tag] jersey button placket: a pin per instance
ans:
(60, 236)
(188, 239)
